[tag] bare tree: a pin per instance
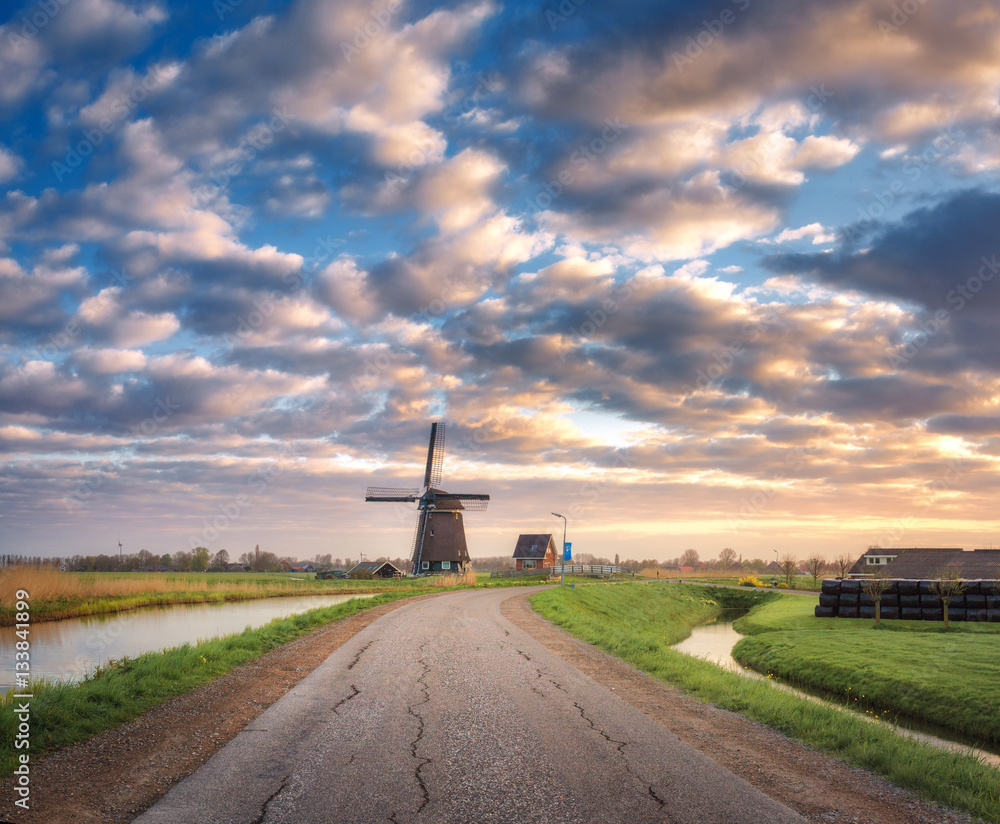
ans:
(843, 564)
(817, 567)
(875, 586)
(789, 566)
(727, 558)
(689, 558)
(949, 585)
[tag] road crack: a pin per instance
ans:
(357, 657)
(356, 692)
(267, 802)
(415, 744)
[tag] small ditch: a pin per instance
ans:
(714, 642)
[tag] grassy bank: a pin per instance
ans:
(639, 622)
(56, 595)
(907, 668)
(63, 714)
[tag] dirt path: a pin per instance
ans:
(117, 774)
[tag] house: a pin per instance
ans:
(535, 551)
(928, 563)
(378, 569)
(876, 557)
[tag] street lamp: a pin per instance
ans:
(562, 566)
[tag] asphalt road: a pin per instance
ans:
(443, 711)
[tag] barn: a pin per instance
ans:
(378, 569)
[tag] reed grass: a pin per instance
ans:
(55, 595)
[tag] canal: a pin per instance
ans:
(714, 642)
(70, 649)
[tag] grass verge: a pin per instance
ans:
(639, 623)
(903, 668)
(64, 714)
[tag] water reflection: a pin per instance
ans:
(68, 650)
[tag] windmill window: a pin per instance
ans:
(425, 564)
(446, 565)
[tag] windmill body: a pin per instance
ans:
(439, 543)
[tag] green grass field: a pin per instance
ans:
(639, 623)
(908, 668)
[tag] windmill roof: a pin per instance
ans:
(535, 545)
(446, 504)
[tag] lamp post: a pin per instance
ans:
(562, 566)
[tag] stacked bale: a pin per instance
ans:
(909, 600)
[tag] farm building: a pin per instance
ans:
(534, 551)
(379, 569)
(927, 562)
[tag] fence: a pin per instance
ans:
(588, 569)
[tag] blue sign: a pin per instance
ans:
(568, 551)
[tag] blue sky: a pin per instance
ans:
(698, 275)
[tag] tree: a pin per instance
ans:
(689, 558)
(843, 564)
(199, 559)
(875, 586)
(182, 561)
(166, 560)
(727, 558)
(949, 585)
(220, 561)
(789, 566)
(816, 566)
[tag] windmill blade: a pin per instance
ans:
(435, 456)
(388, 493)
(477, 503)
(418, 542)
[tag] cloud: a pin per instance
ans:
(935, 256)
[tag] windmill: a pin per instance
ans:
(439, 538)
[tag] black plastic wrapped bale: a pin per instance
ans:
(912, 601)
(976, 614)
(993, 615)
(926, 587)
(866, 600)
(890, 612)
(976, 602)
(893, 587)
(908, 588)
(830, 586)
(828, 600)
(825, 612)
(910, 613)
(992, 602)
(930, 601)
(958, 602)
(956, 614)
(850, 599)
(930, 614)
(976, 588)
(890, 599)
(850, 585)
(847, 612)
(867, 612)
